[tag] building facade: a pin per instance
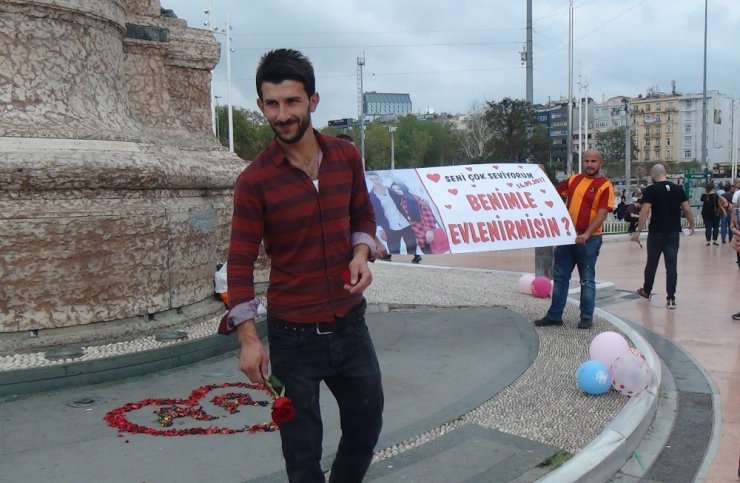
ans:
(654, 122)
(719, 129)
(378, 104)
(554, 116)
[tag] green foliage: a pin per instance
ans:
(418, 142)
(556, 460)
(516, 134)
(251, 131)
(611, 144)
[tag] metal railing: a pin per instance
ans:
(613, 226)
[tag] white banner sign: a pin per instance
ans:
(480, 207)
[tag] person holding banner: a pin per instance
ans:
(589, 198)
(394, 224)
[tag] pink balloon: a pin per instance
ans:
(607, 346)
(525, 283)
(630, 374)
(541, 287)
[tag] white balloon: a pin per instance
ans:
(630, 374)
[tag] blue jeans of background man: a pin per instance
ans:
(346, 361)
(567, 257)
(667, 245)
(724, 223)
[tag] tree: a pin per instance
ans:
(251, 131)
(611, 144)
(516, 134)
(476, 135)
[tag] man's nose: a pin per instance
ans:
(283, 111)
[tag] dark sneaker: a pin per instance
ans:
(416, 259)
(715, 243)
(670, 304)
(585, 324)
(544, 322)
(641, 292)
(386, 258)
(736, 316)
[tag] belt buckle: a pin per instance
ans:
(318, 331)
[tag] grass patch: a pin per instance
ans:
(556, 460)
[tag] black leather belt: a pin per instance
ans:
(321, 328)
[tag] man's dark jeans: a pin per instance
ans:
(667, 245)
(345, 360)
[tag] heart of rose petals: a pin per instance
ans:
(169, 409)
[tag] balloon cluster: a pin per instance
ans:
(540, 287)
(613, 363)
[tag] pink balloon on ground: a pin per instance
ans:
(630, 374)
(607, 346)
(525, 283)
(541, 286)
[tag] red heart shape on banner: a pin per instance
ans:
(449, 207)
(170, 409)
(494, 166)
(469, 168)
(509, 184)
(473, 185)
(434, 177)
(545, 191)
(453, 191)
(549, 203)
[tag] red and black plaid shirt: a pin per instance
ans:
(307, 234)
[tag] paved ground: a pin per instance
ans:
(473, 394)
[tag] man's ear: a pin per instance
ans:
(314, 101)
(261, 105)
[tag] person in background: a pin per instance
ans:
(664, 201)
(711, 212)
(319, 245)
(589, 198)
(724, 223)
(632, 214)
(621, 206)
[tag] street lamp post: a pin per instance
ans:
(627, 144)
(216, 120)
(392, 130)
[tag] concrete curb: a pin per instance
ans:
(606, 454)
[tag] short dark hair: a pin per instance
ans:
(280, 65)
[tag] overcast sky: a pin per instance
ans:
(449, 54)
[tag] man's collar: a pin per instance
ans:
(278, 155)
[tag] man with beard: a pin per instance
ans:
(590, 196)
(305, 197)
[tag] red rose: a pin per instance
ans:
(282, 410)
